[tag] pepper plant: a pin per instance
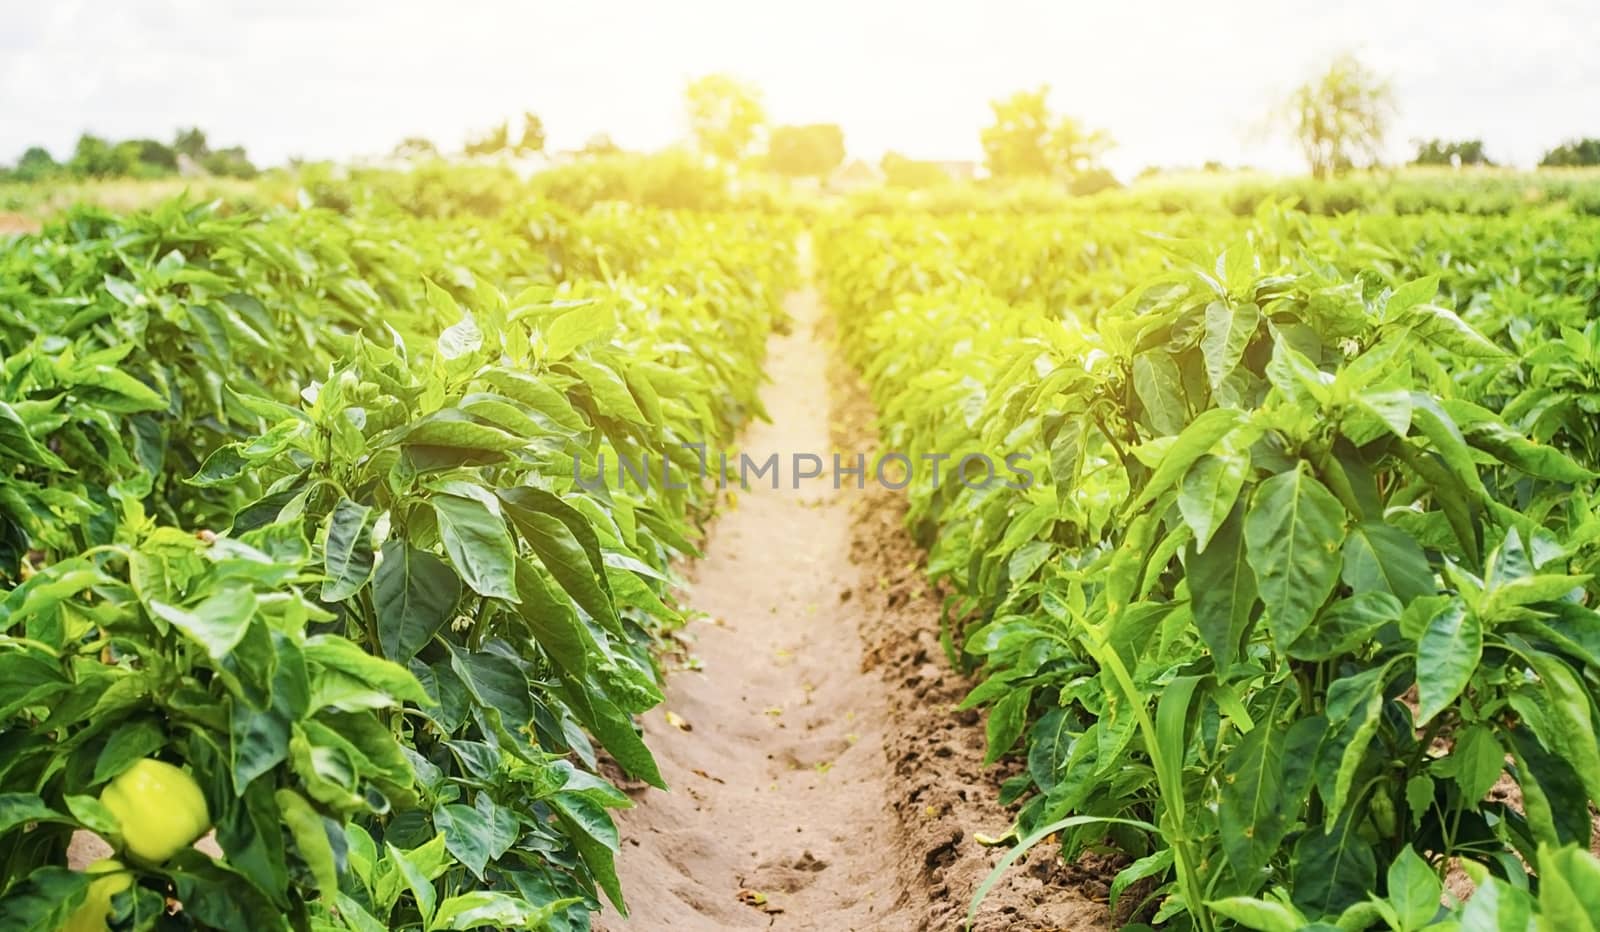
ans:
(1286, 602)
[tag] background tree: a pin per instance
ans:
(813, 150)
(725, 116)
(36, 164)
(151, 157)
(191, 142)
(533, 139)
(228, 163)
(1341, 116)
(415, 147)
(1572, 153)
(1028, 139)
(96, 157)
(497, 139)
(231, 162)
(1441, 152)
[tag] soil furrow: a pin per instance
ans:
(820, 778)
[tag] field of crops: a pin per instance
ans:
(1311, 569)
(289, 502)
(1293, 628)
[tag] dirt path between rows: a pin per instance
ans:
(819, 777)
(779, 814)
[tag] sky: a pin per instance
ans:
(1174, 82)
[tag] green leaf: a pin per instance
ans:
(1410, 294)
(1505, 600)
(355, 915)
(1050, 743)
(479, 546)
(1446, 438)
(260, 737)
(479, 908)
(1384, 411)
(1380, 557)
(1346, 626)
(1553, 796)
(140, 737)
(614, 729)
(1067, 450)
(460, 338)
(577, 327)
(1496, 906)
(1570, 729)
(466, 835)
(114, 390)
(215, 897)
(562, 553)
(595, 836)
(456, 430)
(1222, 590)
(17, 443)
(1228, 332)
(1295, 375)
(1332, 870)
(1159, 385)
(1354, 709)
(1264, 915)
(1475, 762)
(21, 808)
(1006, 721)
(609, 391)
(1196, 439)
(331, 652)
(552, 621)
(1447, 655)
(538, 395)
(1292, 532)
(1419, 798)
(416, 880)
(217, 623)
(223, 467)
(1151, 865)
(1442, 328)
(93, 815)
(1569, 889)
(414, 594)
(496, 683)
(1257, 807)
(124, 291)
(1208, 493)
(311, 838)
(347, 551)
(1414, 889)
(42, 901)
(1484, 430)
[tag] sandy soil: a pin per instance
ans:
(17, 223)
(820, 777)
(781, 811)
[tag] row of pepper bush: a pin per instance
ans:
(289, 502)
(1291, 598)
